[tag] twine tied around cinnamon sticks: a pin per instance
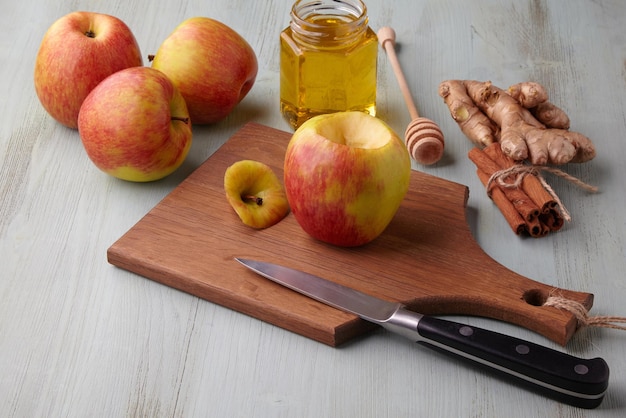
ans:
(527, 202)
(500, 177)
(582, 314)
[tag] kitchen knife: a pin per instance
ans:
(575, 381)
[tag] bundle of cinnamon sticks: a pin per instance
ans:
(525, 203)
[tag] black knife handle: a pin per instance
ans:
(572, 380)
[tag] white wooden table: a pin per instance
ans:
(79, 337)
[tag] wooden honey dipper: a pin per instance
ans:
(423, 138)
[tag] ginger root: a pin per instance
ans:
(521, 119)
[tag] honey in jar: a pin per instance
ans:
(328, 57)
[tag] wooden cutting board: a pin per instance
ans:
(427, 257)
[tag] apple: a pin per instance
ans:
(135, 125)
(211, 64)
(345, 176)
(255, 193)
(77, 52)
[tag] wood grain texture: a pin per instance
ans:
(426, 258)
(79, 337)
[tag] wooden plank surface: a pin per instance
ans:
(82, 338)
(426, 258)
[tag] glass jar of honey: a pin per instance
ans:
(328, 58)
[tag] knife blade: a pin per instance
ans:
(568, 379)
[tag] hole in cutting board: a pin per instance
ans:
(535, 297)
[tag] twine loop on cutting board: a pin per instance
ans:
(499, 177)
(582, 314)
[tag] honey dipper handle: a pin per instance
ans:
(387, 39)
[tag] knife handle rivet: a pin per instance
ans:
(522, 349)
(581, 369)
(466, 331)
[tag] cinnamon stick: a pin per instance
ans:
(520, 200)
(511, 215)
(519, 210)
(530, 184)
(552, 219)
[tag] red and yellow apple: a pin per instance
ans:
(135, 125)
(345, 176)
(77, 52)
(212, 65)
(255, 193)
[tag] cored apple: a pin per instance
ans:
(135, 125)
(77, 52)
(345, 176)
(212, 65)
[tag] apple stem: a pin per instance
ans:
(185, 120)
(250, 198)
(90, 34)
(150, 57)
